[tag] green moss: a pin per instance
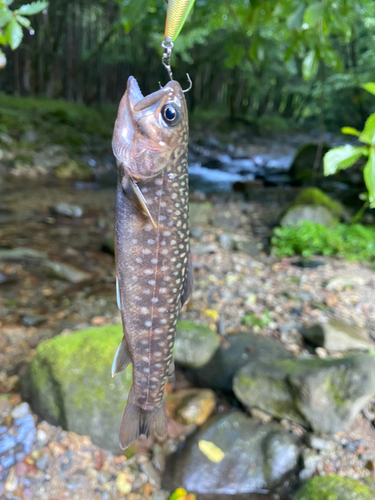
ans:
(355, 242)
(335, 487)
(315, 196)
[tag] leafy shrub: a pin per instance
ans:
(356, 242)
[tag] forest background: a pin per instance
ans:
(287, 60)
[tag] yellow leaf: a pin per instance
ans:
(211, 313)
(180, 493)
(212, 452)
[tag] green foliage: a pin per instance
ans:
(11, 23)
(356, 242)
(315, 196)
(346, 156)
(255, 320)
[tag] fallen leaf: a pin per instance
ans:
(212, 452)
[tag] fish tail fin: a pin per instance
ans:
(121, 359)
(137, 421)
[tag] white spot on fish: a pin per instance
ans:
(146, 290)
(165, 268)
(154, 261)
(138, 260)
(163, 290)
(162, 309)
(154, 299)
(146, 370)
(166, 278)
(159, 192)
(146, 251)
(151, 282)
(163, 321)
(134, 241)
(166, 233)
(164, 251)
(148, 323)
(144, 310)
(148, 227)
(150, 241)
(149, 271)
(159, 181)
(171, 176)
(162, 217)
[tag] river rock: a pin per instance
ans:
(237, 351)
(195, 344)
(334, 487)
(337, 336)
(65, 272)
(22, 253)
(17, 435)
(256, 456)
(191, 406)
(312, 205)
(326, 394)
(67, 210)
(69, 383)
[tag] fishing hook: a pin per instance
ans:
(190, 83)
(167, 45)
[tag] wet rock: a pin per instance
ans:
(72, 211)
(256, 456)
(312, 205)
(69, 384)
(311, 462)
(33, 320)
(17, 435)
(325, 393)
(195, 344)
(192, 406)
(21, 254)
(199, 214)
(334, 487)
(71, 169)
(237, 351)
(337, 336)
(65, 272)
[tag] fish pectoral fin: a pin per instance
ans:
(135, 195)
(188, 284)
(121, 359)
(137, 421)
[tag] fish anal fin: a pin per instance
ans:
(137, 421)
(135, 195)
(121, 359)
(188, 284)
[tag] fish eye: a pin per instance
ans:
(170, 114)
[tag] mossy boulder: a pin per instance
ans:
(335, 487)
(69, 384)
(326, 394)
(313, 205)
(237, 351)
(69, 380)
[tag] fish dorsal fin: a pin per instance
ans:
(188, 284)
(135, 195)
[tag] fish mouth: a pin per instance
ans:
(138, 103)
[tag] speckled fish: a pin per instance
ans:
(177, 12)
(153, 267)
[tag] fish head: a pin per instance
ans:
(149, 129)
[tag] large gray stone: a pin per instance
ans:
(326, 394)
(337, 336)
(69, 383)
(301, 213)
(256, 456)
(237, 351)
(65, 272)
(335, 487)
(195, 344)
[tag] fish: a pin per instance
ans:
(152, 253)
(177, 12)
